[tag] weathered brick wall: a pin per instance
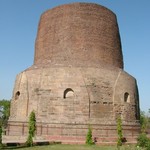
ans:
(74, 133)
(70, 95)
(78, 35)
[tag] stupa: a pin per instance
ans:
(77, 79)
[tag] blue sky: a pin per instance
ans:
(18, 28)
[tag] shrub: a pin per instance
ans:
(148, 146)
(143, 141)
(32, 129)
(119, 131)
(89, 140)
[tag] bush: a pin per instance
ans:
(89, 140)
(143, 141)
(119, 131)
(148, 146)
(32, 129)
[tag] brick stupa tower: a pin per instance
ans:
(77, 79)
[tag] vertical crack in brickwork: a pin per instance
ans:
(87, 93)
(39, 88)
(114, 89)
(15, 103)
(27, 90)
(20, 81)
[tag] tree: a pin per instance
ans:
(4, 112)
(32, 129)
(1, 136)
(143, 140)
(144, 121)
(148, 119)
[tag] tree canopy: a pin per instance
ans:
(4, 111)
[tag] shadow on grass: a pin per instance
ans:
(13, 147)
(23, 145)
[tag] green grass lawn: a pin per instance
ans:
(75, 147)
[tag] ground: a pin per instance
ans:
(78, 147)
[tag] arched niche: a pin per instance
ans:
(126, 97)
(17, 95)
(68, 93)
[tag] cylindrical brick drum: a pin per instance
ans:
(80, 35)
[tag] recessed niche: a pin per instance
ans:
(126, 97)
(68, 93)
(17, 95)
